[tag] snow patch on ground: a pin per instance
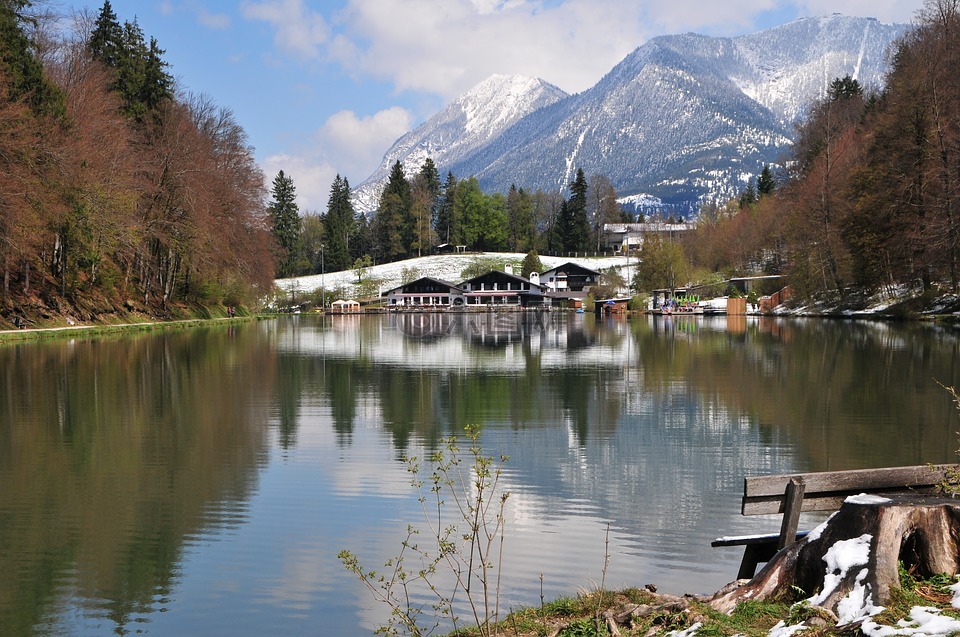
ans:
(922, 621)
(782, 630)
(689, 632)
(841, 559)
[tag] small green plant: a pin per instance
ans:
(951, 482)
(465, 543)
(585, 627)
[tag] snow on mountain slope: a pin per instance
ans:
(683, 119)
(465, 125)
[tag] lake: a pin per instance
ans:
(203, 481)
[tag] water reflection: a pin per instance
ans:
(205, 480)
(111, 454)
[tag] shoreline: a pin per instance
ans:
(70, 331)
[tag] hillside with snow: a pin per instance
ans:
(446, 267)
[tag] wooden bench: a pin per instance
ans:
(792, 494)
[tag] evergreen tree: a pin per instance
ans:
(339, 224)
(23, 70)
(749, 196)
(573, 229)
(425, 194)
(531, 263)
(766, 184)
(520, 219)
(157, 83)
(844, 88)
(141, 76)
(444, 219)
(106, 39)
(392, 225)
(361, 242)
(285, 218)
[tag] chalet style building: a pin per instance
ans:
(621, 237)
(564, 286)
(569, 277)
(502, 288)
(426, 291)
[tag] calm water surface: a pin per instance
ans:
(202, 482)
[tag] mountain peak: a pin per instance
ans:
(682, 119)
(464, 126)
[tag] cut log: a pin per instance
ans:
(849, 564)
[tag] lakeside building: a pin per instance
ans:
(622, 237)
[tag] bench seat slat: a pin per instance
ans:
(868, 479)
(748, 540)
(820, 502)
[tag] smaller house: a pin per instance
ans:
(345, 307)
(425, 291)
(612, 306)
(569, 277)
(630, 236)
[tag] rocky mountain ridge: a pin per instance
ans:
(682, 120)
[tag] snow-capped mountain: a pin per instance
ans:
(681, 120)
(467, 124)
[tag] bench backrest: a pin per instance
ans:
(826, 490)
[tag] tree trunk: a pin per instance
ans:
(849, 564)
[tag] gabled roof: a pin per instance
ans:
(499, 275)
(571, 267)
(426, 279)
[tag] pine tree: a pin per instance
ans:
(531, 263)
(106, 39)
(141, 76)
(424, 196)
(520, 219)
(766, 184)
(157, 84)
(22, 69)
(392, 225)
(573, 229)
(444, 219)
(339, 224)
(285, 217)
(749, 196)
(844, 88)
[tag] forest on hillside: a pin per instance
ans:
(867, 200)
(116, 190)
(870, 199)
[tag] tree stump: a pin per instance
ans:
(849, 564)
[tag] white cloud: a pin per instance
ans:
(448, 48)
(360, 141)
(299, 30)
(445, 48)
(356, 144)
(311, 175)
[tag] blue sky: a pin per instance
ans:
(326, 86)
